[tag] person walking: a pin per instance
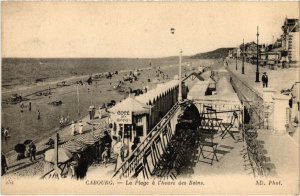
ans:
(265, 80)
(80, 128)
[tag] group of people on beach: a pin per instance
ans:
(74, 127)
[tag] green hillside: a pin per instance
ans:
(215, 54)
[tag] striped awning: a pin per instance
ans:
(88, 139)
(74, 146)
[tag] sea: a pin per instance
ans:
(17, 72)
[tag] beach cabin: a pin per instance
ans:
(129, 119)
(161, 99)
(136, 116)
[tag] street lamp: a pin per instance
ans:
(179, 74)
(236, 58)
(257, 69)
(243, 69)
(179, 90)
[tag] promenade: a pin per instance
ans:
(278, 79)
(281, 148)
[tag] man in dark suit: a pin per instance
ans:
(265, 79)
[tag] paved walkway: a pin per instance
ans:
(284, 153)
(278, 79)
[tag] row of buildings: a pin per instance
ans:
(285, 48)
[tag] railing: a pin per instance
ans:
(255, 154)
(252, 99)
(128, 166)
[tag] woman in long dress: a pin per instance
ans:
(73, 128)
(80, 127)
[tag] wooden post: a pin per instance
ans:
(78, 99)
(123, 133)
(56, 151)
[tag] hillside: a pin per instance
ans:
(215, 54)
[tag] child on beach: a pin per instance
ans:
(105, 156)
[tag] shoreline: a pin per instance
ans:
(53, 81)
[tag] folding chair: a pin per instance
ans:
(211, 145)
(228, 125)
(210, 127)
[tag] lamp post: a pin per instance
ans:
(179, 90)
(179, 74)
(257, 69)
(243, 69)
(236, 59)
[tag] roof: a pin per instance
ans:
(130, 104)
(194, 74)
(154, 93)
(198, 90)
(206, 75)
(224, 87)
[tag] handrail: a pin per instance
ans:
(44, 175)
(145, 143)
(222, 111)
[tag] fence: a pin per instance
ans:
(259, 112)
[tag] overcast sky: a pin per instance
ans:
(36, 29)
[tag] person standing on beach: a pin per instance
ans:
(21, 106)
(39, 115)
(105, 157)
(32, 151)
(29, 108)
(73, 128)
(265, 80)
(80, 128)
(3, 164)
(107, 142)
(6, 134)
(91, 112)
(100, 112)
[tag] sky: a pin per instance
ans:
(137, 29)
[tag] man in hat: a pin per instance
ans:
(265, 79)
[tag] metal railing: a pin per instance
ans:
(132, 161)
